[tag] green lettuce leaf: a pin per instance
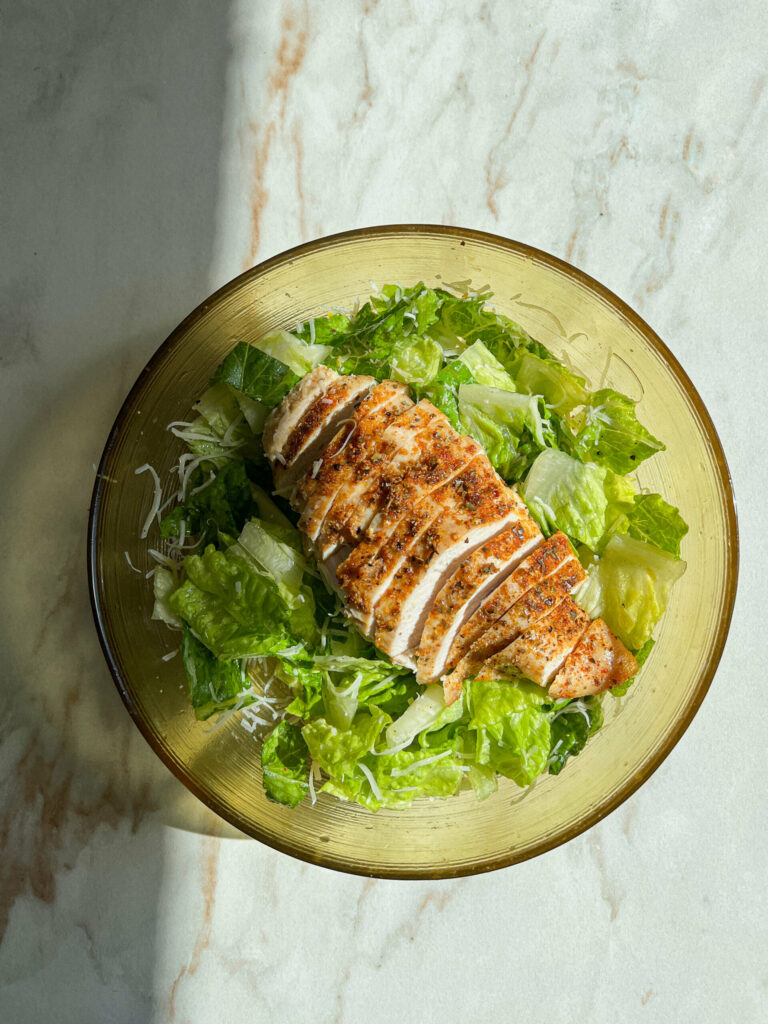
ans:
(386, 328)
(294, 351)
(400, 778)
(607, 431)
(656, 522)
(486, 368)
(338, 751)
(285, 765)
(570, 728)
(164, 583)
(258, 375)
(629, 587)
(538, 374)
(220, 507)
(239, 611)
(509, 426)
(214, 685)
(415, 360)
(512, 731)
(443, 392)
(564, 494)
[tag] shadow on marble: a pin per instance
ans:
(115, 186)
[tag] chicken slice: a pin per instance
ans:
(467, 588)
(285, 417)
(537, 601)
(598, 662)
(371, 566)
(545, 560)
(316, 427)
(484, 508)
(539, 652)
(340, 463)
(419, 453)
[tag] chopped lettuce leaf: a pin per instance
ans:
(425, 710)
(220, 507)
(285, 765)
(509, 426)
(534, 374)
(486, 368)
(415, 360)
(570, 727)
(163, 585)
(512, 732)
(443, 392)
(564, 494)
(297, 355)
(655, 521)
(338, 751)
(607, 431)
(385, 328)
(237, 610)
(629, 588)
(265, 544)
(258, 375)
(215, 685)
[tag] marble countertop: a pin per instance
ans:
(150, 153)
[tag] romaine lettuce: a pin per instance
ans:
(221, 506)
(571, 726)
(608, 431)
(239, 611)
(258, 375)
(655, 521)
(564, 494)
(285, 765)
(511, 727)
(629, 587)
(509, 426)
(214, 685)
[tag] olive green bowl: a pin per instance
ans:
(604, 340)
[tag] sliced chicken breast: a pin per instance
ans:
(285, 417)
(598, 662)
(540, 651)
(466, 589)
(316, 427)
(486, 506)
(545, 559)
(340, 463)
(423, 462)
(538, 601)
(371, 566)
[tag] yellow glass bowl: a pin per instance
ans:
(597, 334)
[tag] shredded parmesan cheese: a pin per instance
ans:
(155, 500)
(130, 563)
(373, 784)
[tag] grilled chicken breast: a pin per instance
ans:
(541, 563)
(537, 601)
(540, 651)
(435, 557)
(598, 662)
(462, 594)
(286, 416)
(315, 428)
(343, 461)
(482, 507)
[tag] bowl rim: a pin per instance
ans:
(600, 810)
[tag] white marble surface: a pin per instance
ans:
(150, 152)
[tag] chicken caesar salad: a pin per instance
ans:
(405, 548)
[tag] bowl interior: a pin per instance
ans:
(600, 337)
